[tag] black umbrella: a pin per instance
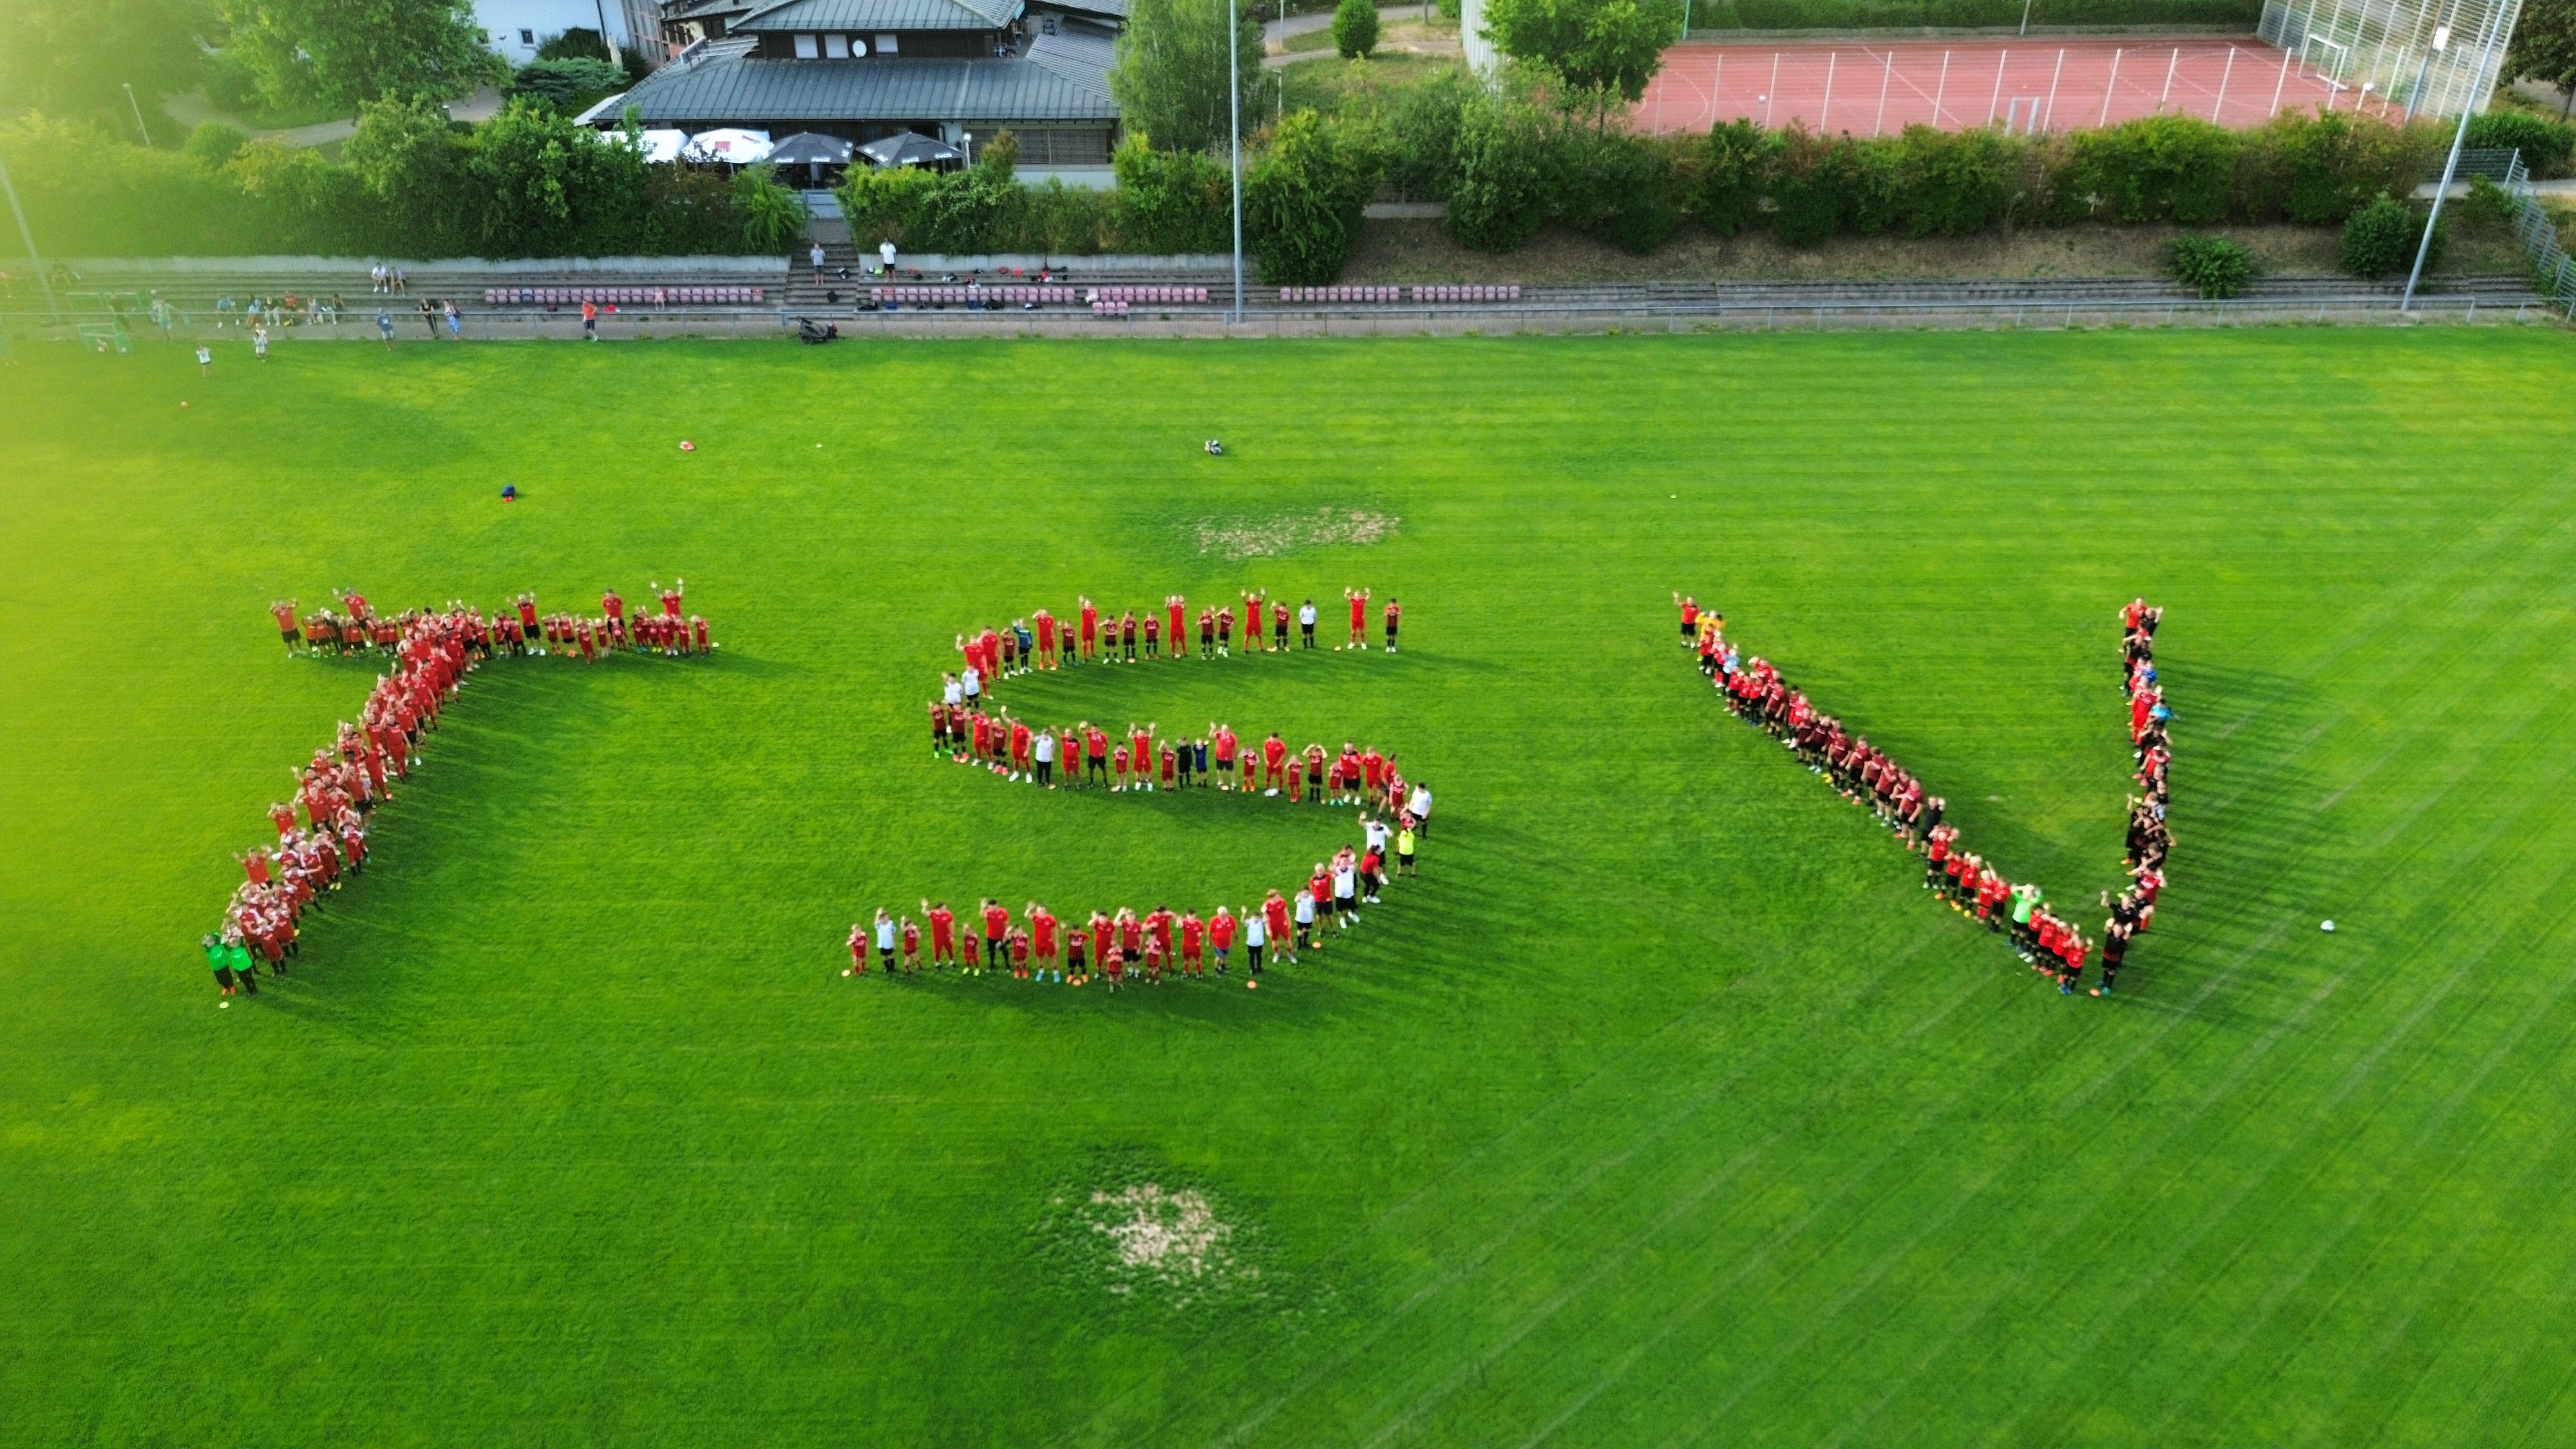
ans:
(910, 149)
(808, 148)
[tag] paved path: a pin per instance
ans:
(193, 109)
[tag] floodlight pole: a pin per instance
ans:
(138, 114)
(1234, 118)
(53, 309)
(2451, 167)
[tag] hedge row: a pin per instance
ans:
(525, 184)
(1845, 15)
(1303, 192)
(1518, 166)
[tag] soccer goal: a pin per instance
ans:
(2413, 57)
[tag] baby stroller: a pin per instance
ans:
(815, 334)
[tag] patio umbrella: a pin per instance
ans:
(807, 148)
(655, 147)
(813, 152)
(732, 146)
(910, 149)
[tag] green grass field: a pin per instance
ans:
(1664, 1109)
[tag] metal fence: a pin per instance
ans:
(2553, 271)
(2414, 57)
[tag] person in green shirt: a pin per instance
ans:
(1404, 848)
(238, 957)
(220, 960)
(2026, 899)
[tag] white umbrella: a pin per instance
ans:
(732, 146)
(656, 147)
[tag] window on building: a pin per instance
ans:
(886, 46)
(806, 48)
(836, 47)
(527, 37)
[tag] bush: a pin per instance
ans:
(1172, 201)
(773, 215)
(1422, 133)
(2211, 266)
(1616, 187)
(2157, 168)
(2381, 238)
(2315, 169)
(213, 143)
(559, 84)
(579, 43)
(1355, 28)
(1301, 203)
(1501, 196)
(2485, 208)
(1810, 188)
(2547, 146)
(1955, 183)
(1001, 155)
(1735, 174)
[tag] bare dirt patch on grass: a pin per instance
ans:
(1279, 533)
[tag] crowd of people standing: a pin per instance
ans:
(1970, 882)
(1119, 946)
(321, 829)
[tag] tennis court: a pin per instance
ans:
(1873, 89)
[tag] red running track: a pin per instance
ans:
(1872, 89)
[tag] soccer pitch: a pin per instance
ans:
(1664, 1108)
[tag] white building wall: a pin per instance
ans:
(515, 28)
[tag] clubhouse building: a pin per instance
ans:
(866, 69)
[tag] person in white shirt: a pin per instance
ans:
(1305, 919)
(816, 252)
(1306, 622)
(885, 941)
(885, 251)
(1419, 807)
(950, 691)
(1346, 891)
(972, 683)
(1256, 934)
(1377, 833)
(1045, 755)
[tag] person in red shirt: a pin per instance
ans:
(943, 932)
(1118, 767)
(1175, 614)
(1104, 946)
(1020, 767)
(1274, 915)
(1221, 936)
(967, 952)
(1158, 930)
(1018, 945)
(1394, 612)
(858, 950)
(1140, 757)
(1207, 634)
(1348, 768)
(1127, 634)
(1224, 738)
(1690, 617)
(1274, 759)
(1193, 944)
(1359, 617)
(1224, 632)
(1372, 772)
(1153, 636)
(1046, 638)
(283, 611)
(1075, 964)
(1251, 623)
(1131, 936)
(1095, 753)
(1296, 774)
(1090, 628)
(1043, 938)
(1279, 627)
(1170, 764)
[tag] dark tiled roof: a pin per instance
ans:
(872, 15)
(1058, 80)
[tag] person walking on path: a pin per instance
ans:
(385, 327)
(816, 253)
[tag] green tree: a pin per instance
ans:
(75, 57)
(1604, 50)
(536, 185)
(1301, 204)
(408, 158)
(773, 215)
(2544, 47)
(1355, 28)
(1169, 78)
(346, 51)
(1500, 196)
